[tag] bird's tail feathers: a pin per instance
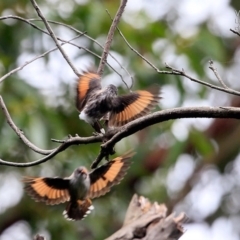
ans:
(78, 210)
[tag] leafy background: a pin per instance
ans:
(192, 165)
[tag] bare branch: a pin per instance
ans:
(211, 66)
(29, 21)
(19, 132)
(127, 42)
(134, 50)
(117, 134)
(96, 42)
(69, 142)
(23, 20)
(110, 36)
(39, 12)
(235, 32)
(182, 73)
(34, 59)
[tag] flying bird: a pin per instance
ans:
(79, 188)
(96, 103)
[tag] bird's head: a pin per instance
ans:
(112, 90)
(81, 172)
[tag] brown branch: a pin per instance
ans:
(134, 50)
(117, 134)
(34, 59)
(127, 43)
(149, 221)
(19, 132)
(39, 12)
(211, 66)
(29, 21)
(69, 142)
(23, 20)
(96, 42)
(110, 36)
(182, 73)
(235, 32)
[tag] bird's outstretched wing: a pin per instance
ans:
(87, 83)
(109, 174)
(49, 190)
(131, 106)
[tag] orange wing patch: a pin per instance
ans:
(134, 105)
(86, 83)
(43, 190)
(108, 175)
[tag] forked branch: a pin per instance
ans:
(118, 134)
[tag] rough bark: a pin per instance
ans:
(149, 221)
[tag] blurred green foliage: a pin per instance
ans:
(42, 116)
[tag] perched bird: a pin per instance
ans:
(96, 103)
(80, 187)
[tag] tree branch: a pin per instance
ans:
(69, 142)
(182, 73)
(161, 116)
(34, 59)
(110, 36)
(39, 12)
(115, 135)
(96, 42)
(29, 21)
(19, 132)
(211, 66)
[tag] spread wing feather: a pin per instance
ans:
(131, 106)
(109, 174)
(87, 83)
(49, 190)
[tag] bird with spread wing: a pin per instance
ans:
(79, 188)
(95, 103)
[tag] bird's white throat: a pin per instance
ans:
(85, 117)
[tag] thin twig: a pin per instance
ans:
(235, 32)
(69, 142)
(96, 42)
(182, 73)
(19, 132)
(39, 12)
(211, 66)
(176, 71)
(127, 71)
(29, 21)
(34, 59)
(110, 36)
(134, 50)
(23, 20)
